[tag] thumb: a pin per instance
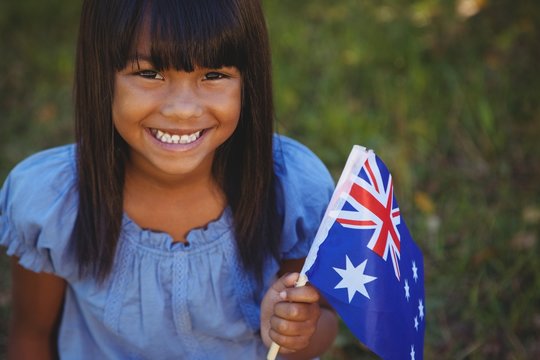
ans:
(286, 281)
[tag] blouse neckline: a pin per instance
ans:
(196, 238)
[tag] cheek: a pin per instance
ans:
(234, 108)
(127, 108)
(235, 113)
(120, 117)
(116, 112)
(119, 106)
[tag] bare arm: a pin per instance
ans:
(298, 319)
(37, 300)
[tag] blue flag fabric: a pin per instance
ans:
(365, 263)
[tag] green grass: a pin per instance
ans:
(449, 102)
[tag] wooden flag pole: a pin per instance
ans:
(274, 348)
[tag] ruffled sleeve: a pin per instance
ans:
(38, 206)
(304, 189)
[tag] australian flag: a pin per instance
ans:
(365, 263)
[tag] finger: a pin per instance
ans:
(293, 328)
(289, 343)
(304, 294)
(284, 282)
(297, 311)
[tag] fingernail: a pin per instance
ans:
(283, 295)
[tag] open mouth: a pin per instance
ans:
(168, 138)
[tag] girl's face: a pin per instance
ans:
(173, 120)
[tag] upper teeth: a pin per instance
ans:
(176, 139)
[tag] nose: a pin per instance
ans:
(182, 102)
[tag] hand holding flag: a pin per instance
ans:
(365, 263)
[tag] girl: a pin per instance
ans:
(168, 230)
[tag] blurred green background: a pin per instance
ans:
(445, 91)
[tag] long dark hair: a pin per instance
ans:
(183, 34)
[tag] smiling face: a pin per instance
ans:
(173, 121)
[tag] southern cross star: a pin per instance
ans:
(415, 271)
(406, 287)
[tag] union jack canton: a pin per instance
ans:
(365, 263)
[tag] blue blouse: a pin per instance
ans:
(164, 299)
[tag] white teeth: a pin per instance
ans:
(167, 138)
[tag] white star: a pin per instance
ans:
(412, 352)
(416, 323)
(354, 279)
(421, 309)
(406, 287)
(415, 271)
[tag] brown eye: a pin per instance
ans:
(214, 75)
(150, 74)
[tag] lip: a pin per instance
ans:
(180, 132)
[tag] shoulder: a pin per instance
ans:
(41, 178)
(294, 161)
(304, 188)
(63, 156)
(38, 206)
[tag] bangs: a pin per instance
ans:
(186, 34)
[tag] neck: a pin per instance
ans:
(174, 206)
(168, 184)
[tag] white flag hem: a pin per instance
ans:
(355, 161)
